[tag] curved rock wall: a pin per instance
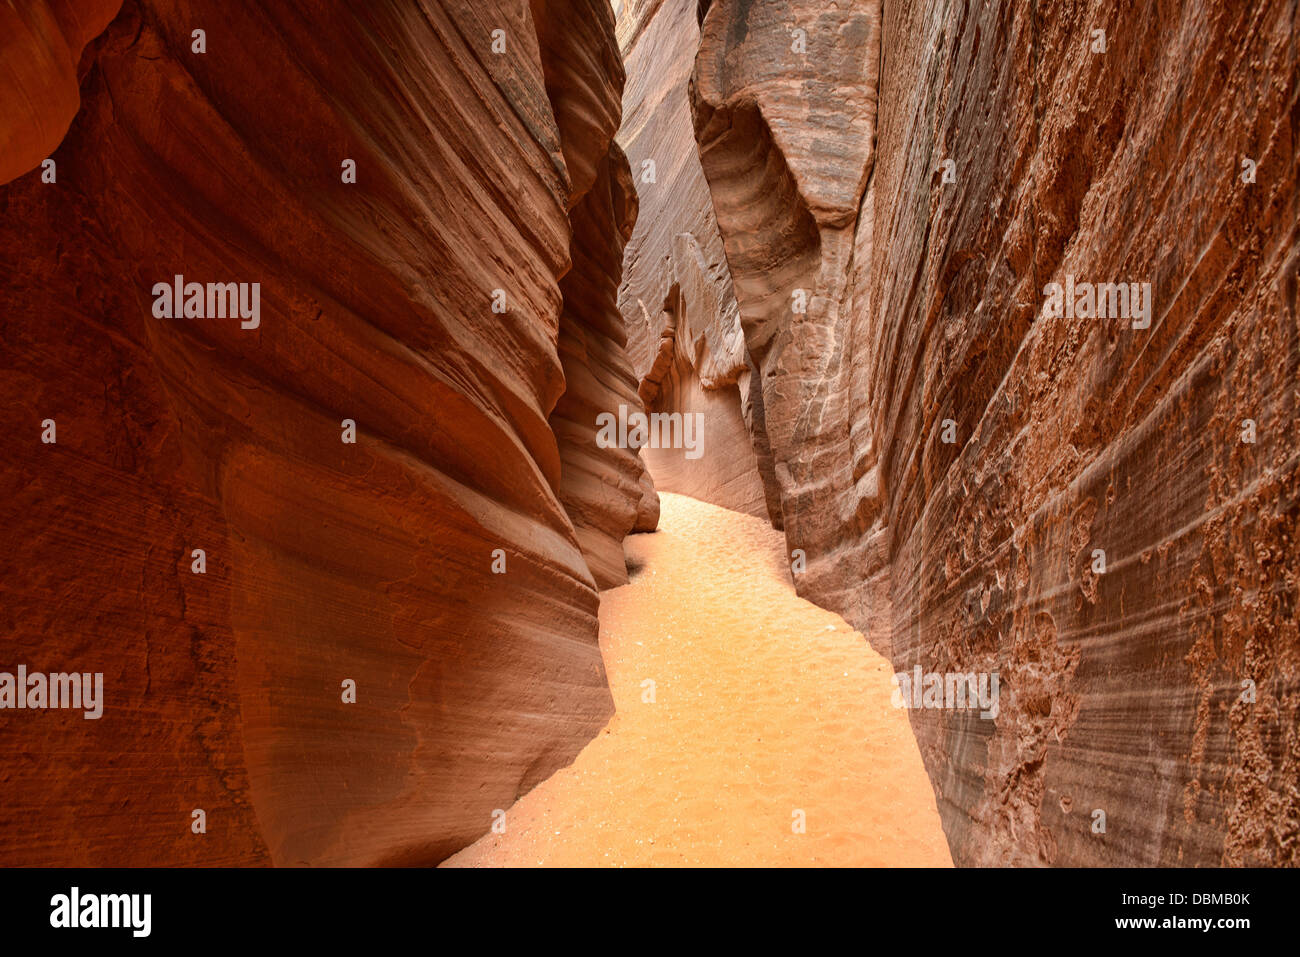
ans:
(1104, 515)
(606, 492)
(784, 104)
(326, 561)
(601, 488)
(40, 52)
(687, 348)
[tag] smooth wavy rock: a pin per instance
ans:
(40, 50)
(326, 562)
(601, 488)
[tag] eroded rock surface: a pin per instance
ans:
(677, 301)
(601, 488)
(921, 172)
(325, 561)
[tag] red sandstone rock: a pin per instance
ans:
(1122, 692)
(601, 489)
(325, 561)
(826, 170)
(647, 513)
(784, 103)
(40, 45)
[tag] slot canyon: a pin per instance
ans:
(953, 345)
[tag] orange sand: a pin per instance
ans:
(764, 704)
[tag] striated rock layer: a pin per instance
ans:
(601, 489)
(325, 560)
(677, 301)
(1106, 516)
(605, 491)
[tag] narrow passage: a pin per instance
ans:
(764, 706)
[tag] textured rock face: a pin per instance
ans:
(676, 299)
(785, 123)
(1121, 690)
(325, 561)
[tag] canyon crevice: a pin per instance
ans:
(677, 301)
(828, 230)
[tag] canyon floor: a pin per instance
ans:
(763, 706)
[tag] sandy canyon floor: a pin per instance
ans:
(767, 712)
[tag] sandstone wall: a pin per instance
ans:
(677, 301)
(325, 561)
(1122, 691)
(40, 52)
(606, 492)
(601, 489)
